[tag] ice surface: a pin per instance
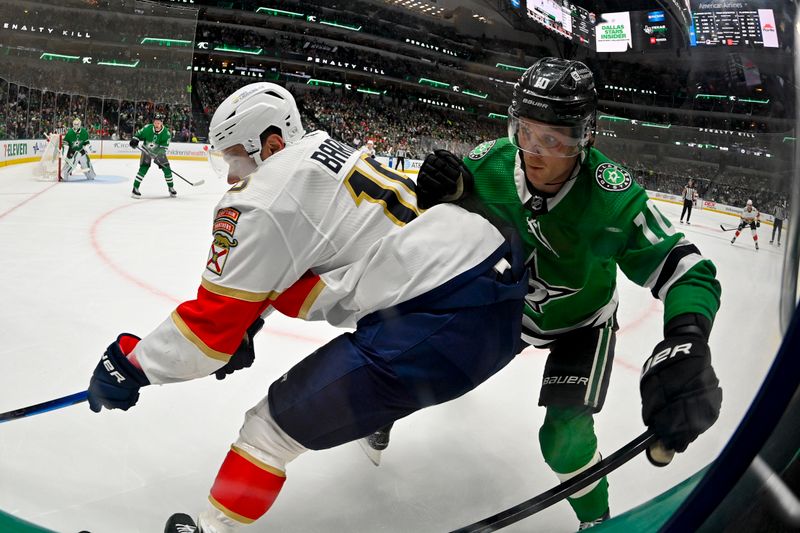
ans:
(82, 262)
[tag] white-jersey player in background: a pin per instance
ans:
(369, 148)
(749, 217)
(320, 231)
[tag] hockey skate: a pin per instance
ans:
(172, 192)
(733, 240)
(181, 523)
(136, 194)
(756, 246)
(374, 444)
(592, 523)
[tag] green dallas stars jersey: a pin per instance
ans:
(75, 140)
(597, 221)
(155, 143)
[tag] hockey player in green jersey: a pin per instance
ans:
(76, 140)
(580, 215)
(156, 139)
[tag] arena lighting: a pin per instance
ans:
(789, 139)
(226, 48)
(498, 115)
(476, 94)
(613, 119)
(280, 12)
(510, 67)
(732, 98)
(323, 83)
(337, 25)
(369, 91)
(433, 83)
(113, 63)
(48, 56)
(654, 125)
(163, 41)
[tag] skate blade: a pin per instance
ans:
(371, 453)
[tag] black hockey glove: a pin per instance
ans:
(116, 382)
(442, 178)
(134, 143)
(681, 397)
(82, 151)
(245, 354)
(758, 224)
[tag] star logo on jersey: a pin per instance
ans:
(535, 229)
(612, 177)
(481, 150)
(540, 293)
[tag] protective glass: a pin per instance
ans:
(545, 139)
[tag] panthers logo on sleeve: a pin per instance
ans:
(224, 227)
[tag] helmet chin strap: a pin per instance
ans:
(255, 153)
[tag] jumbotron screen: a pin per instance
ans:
(564, 18)
(732, 23)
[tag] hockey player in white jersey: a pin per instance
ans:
(320, 231)
(749, 217)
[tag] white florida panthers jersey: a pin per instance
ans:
(320, 231)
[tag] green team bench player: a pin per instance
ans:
(156, 139)
(580, 215)
(76, 140)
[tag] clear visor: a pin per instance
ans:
(545, 139)
(217, 160)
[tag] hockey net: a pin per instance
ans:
(49, 166)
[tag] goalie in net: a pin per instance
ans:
(77, 142)
(55, 166)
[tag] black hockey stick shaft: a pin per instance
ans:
(723, 228)
(153, 157)
(565, 489)
(39, 408)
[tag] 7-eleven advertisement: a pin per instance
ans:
(613, 32)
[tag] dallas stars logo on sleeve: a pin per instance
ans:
(540, 293)
(481, 150)
(612, 177)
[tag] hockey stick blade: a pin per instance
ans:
(39, 408)
(723, 228)
(153, 157)
(565, 489)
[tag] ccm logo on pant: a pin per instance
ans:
(666, 353)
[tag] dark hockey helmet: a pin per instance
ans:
(159, 116)
(556, 92)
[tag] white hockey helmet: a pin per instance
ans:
(76, 124)
(749, 202)
(245, 114)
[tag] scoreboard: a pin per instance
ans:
(564, 18)
(732, 23)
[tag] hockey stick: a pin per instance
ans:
(723, 228)
(565, 489)
(39, 408)
(153, 157)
